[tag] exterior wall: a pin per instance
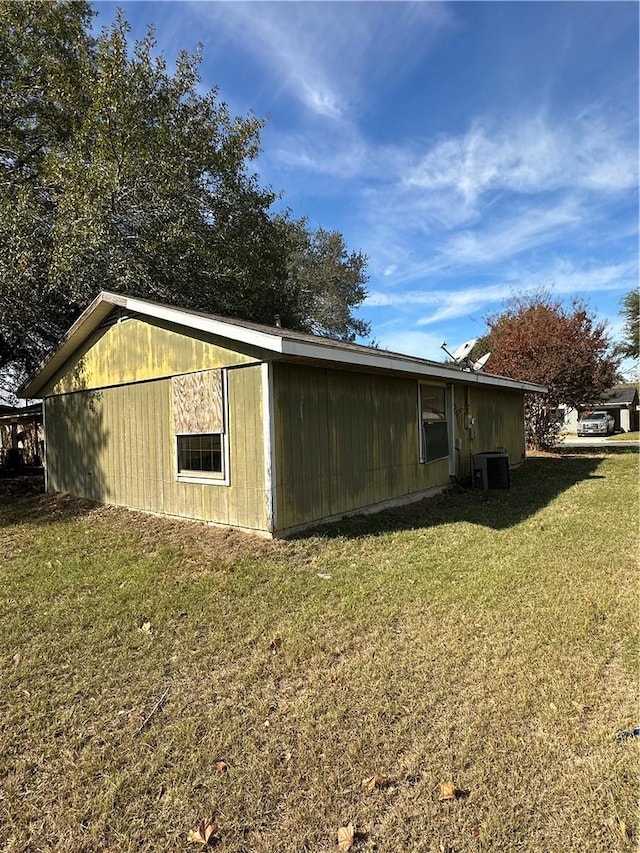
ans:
(345, 441)
(498, 423)
(135, 351)
(116, 445)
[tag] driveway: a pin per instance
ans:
(595, 441)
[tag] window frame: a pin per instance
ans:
(199, 473)
(207, 478)
(445, 421)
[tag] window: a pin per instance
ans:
(197, 401)
(434, 429)
(200, 454)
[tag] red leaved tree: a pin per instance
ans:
(537, 339)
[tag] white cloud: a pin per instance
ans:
(480, 199)
(529, 156)
(321, 53)
(561, 278)
(521, 229)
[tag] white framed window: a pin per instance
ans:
(198, 402)
(200, 455)
(434, 426)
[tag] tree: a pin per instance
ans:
(328, 280)
(630, 346)
(42, 53)
(118, 174)
(537, 339)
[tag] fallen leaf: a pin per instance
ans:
(275, 644)
(345, 837)
(375, 781)
(447, 791)
(146, 628)
(580, 706)
(221, 766)
(206, 830)
(625, 832)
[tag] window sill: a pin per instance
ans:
(203, 479)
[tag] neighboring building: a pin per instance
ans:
(620, 401)
(21, 437)
(187, 414)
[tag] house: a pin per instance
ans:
(187, 414)
(621, 402)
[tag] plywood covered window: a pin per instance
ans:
(434, 429)
(199, 424)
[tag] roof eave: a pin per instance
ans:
(100, 309)
(276, 342)
(398, 363)
(86, 323)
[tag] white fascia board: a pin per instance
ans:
(241, 334)
(102, 306)
(86, 323)
(397, 363)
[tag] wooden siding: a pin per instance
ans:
(498, 423)
(117, 446)
(345, 441)
(135, 351)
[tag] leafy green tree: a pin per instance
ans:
(43, 51)
(537, 339)
(329, 281)
(118, 174)
(630, 346)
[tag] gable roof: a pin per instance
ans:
(619, 395)
(276, 342)
(15, 414)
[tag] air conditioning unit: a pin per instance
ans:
(491, 470)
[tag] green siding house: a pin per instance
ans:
(187, 414)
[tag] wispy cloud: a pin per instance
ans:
(561, 278)
(520, 228)
(549, 187)
(529, 156)
(322, 53)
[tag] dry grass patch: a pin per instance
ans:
(491, 644)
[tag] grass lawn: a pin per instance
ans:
(628, 436)
(156, 673)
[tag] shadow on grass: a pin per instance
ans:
(23, 499)
(533, 486)
(536, 484)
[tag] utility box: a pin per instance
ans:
(491, 470)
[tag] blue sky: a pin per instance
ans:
(473, 151)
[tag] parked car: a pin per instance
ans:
(596, 423)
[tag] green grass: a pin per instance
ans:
(491, 643)
(628, 436)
